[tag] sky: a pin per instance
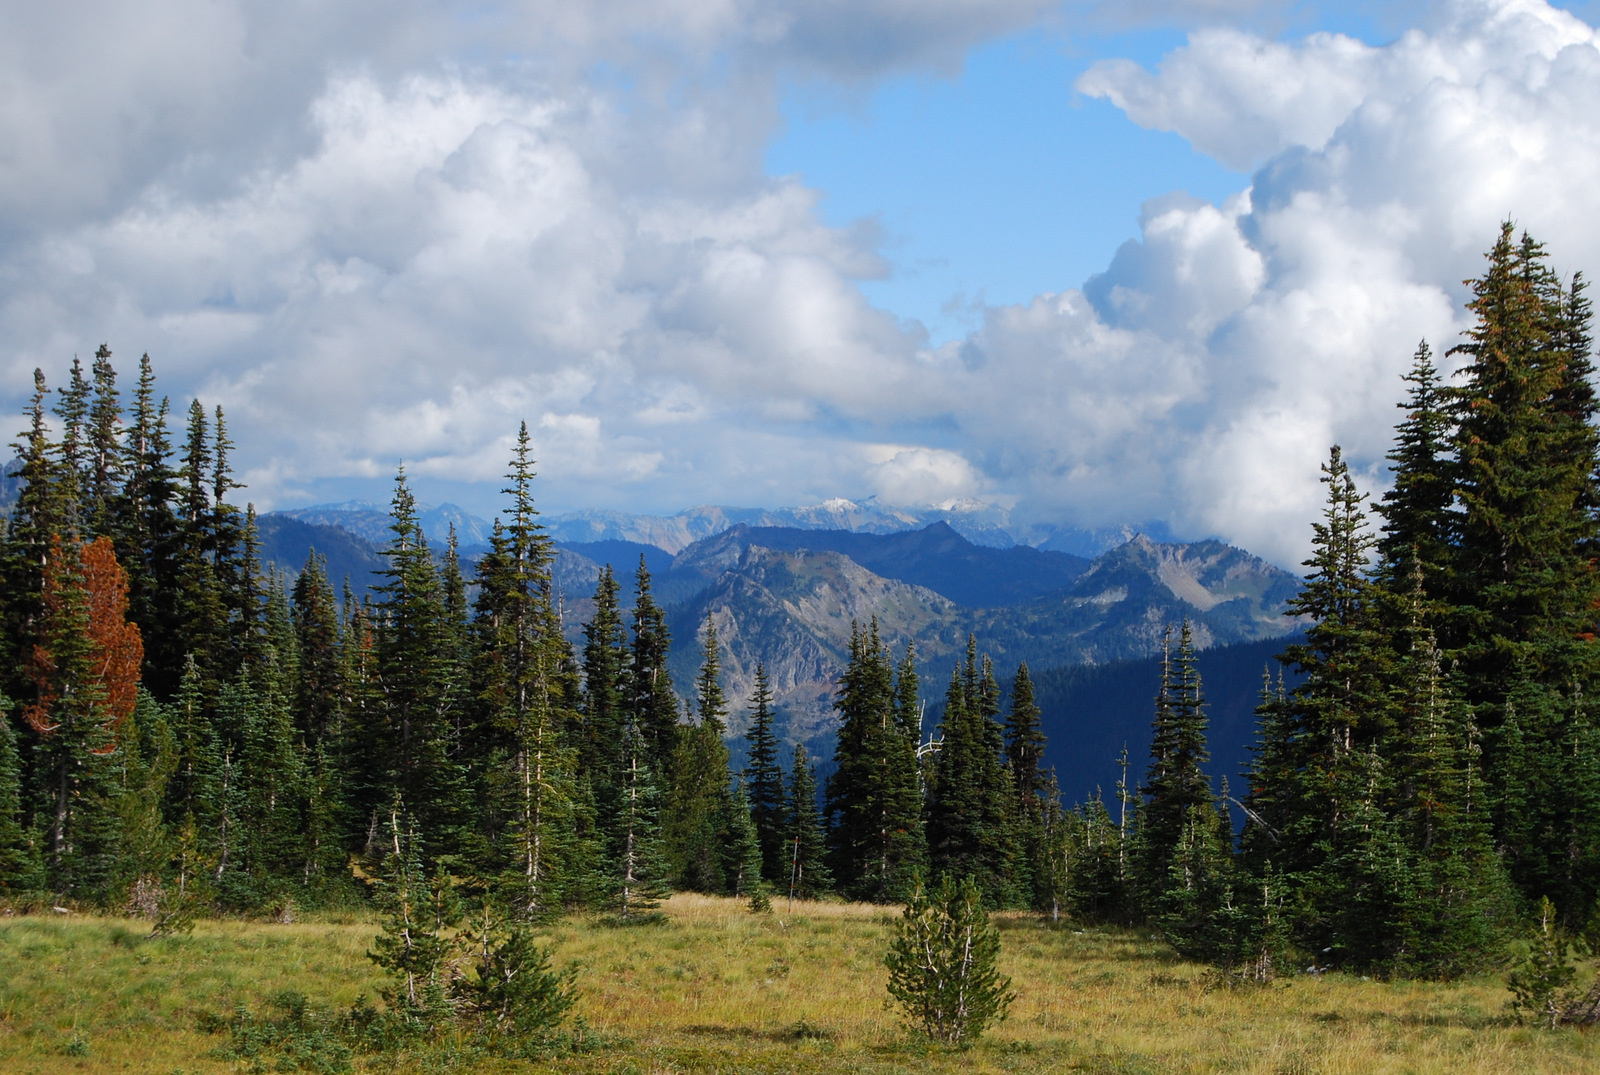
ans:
(1096, 263)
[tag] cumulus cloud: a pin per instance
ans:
(370, 250)
(1217, 357)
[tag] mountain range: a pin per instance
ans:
(788, 596)
(978, 522)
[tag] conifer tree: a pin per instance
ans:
(19, 852)
(1343, 706)
(764, 782)
(413, 946)
(412, 654)
(1525, 588)
(316, 634)
(1175, 784)
(654, 704)
(972, 804)
(148, 537)
(527, 704)
(72, 408)
(1025, 742)
(1418, 521)
(606, 694)
(85, 669)
(807, 876)
(146, 758)
(35, 519)
(741, 853)
(640, 870)
(1096, 883)
(878, 840)
(105, 454)
(695, 828)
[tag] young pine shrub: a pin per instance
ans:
(413, 945)
(1539, 986)
(513, 992)
(943, 964)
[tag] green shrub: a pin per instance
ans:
(942, 964)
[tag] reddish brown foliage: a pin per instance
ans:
(92, 599)
(118, 646)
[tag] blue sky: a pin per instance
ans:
(993, 185)
(1000, 181)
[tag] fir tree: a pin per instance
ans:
(72, 408)
(521, 655)
(807, 875)
(412, 666)
(695, 828)
(1025, 742)
(640, 868)
(878, 841)
(148, 537)
(104, 462)
(37, 517)
(655, 706)
(1525, 587)
(764, 782)
(972, 804)
(1175, 784)
(19, 857)
(1418, 520)
(316, 634)
(741, 853)
(85, 668)
(606, 694)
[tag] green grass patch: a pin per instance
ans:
(714, 988)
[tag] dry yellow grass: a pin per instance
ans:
(716, 989)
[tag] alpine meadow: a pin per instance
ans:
(256, 821)
(799, 537)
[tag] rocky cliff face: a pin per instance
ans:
(793, 609)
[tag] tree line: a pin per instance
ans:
(193, 730)
(1431, 777)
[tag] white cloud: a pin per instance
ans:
(1217, 358)
(368, 253)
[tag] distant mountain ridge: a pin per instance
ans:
(787, 597)
(370, 520)
(979, 523)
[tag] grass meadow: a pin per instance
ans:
(713, 988)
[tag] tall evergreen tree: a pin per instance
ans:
(695, 827)
(412, 653)
(654, 704)
(1525, 582)
(527, 704)
(316, 633)
(606, 692)
(36, 518)
(1025, 742)
(806, 874)
(764, 781)
(105, 455)
(878, 840)
(1418, 519)
(972, 804)
(149, 539)
(1175, 784)
(85, 668)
